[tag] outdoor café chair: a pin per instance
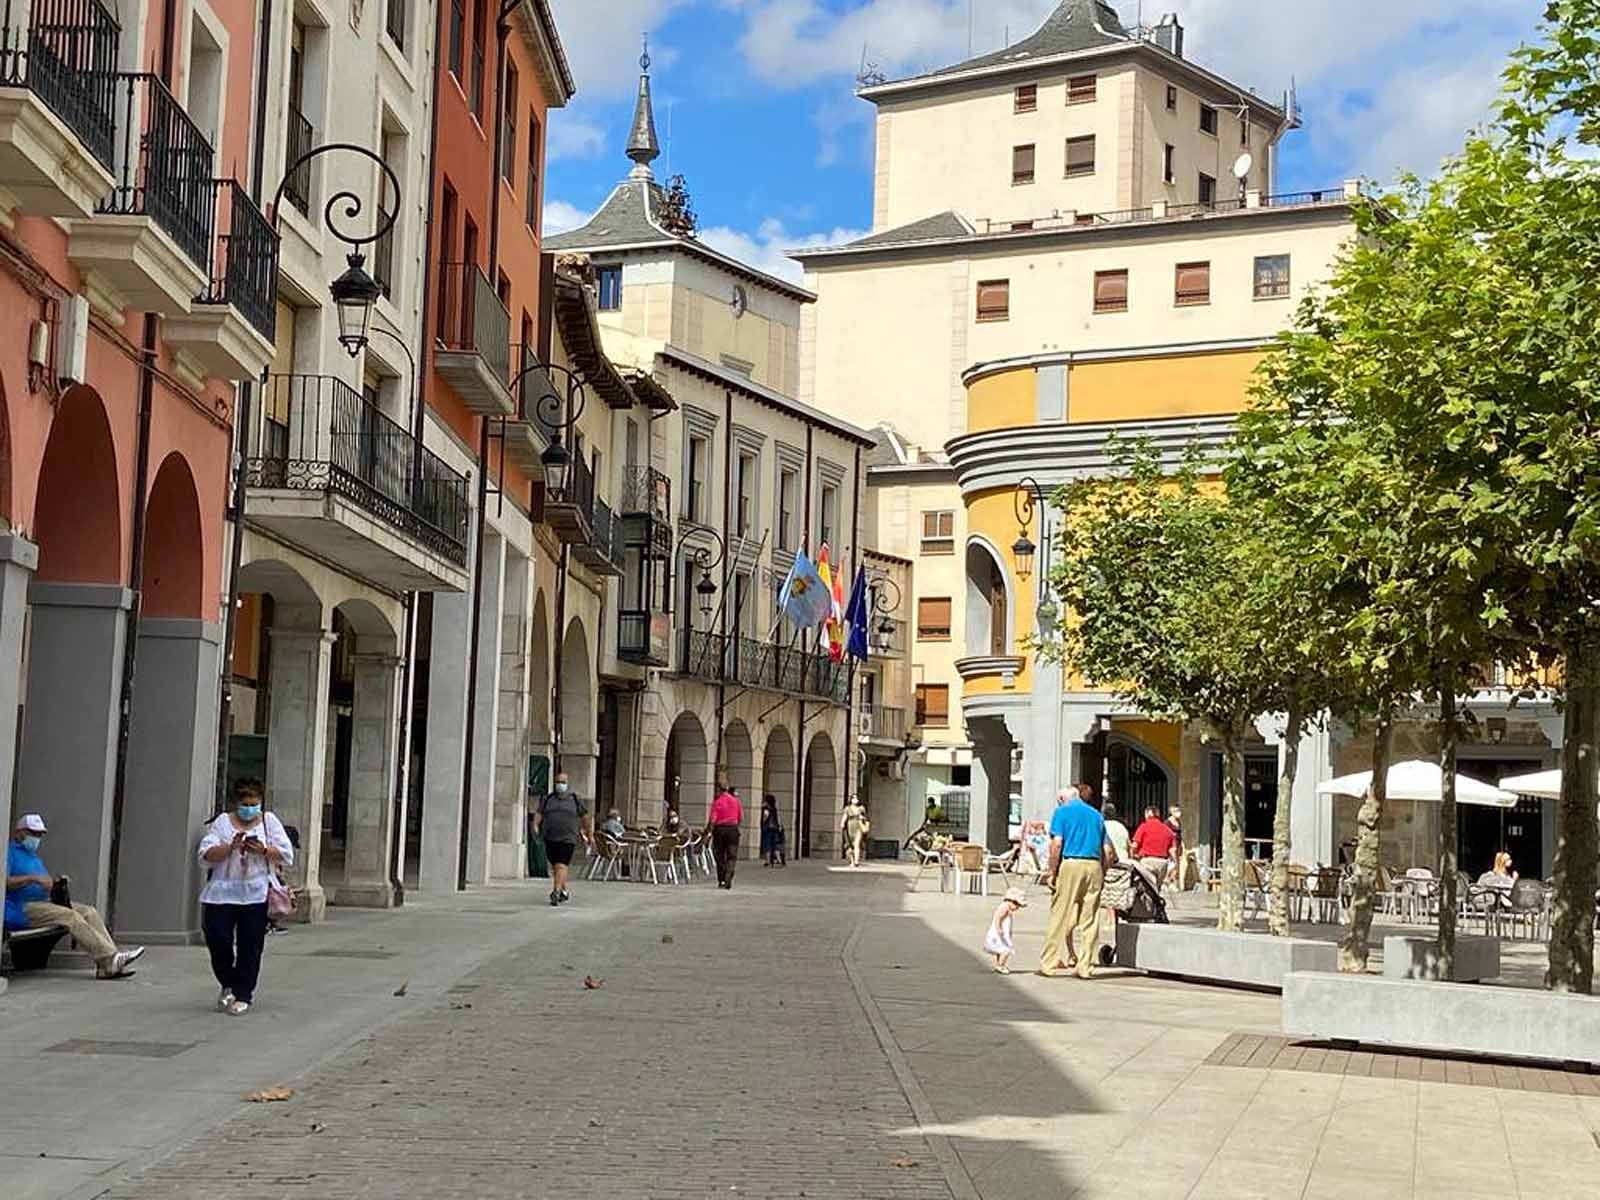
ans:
(1256, 887)
(605, 857)
(663, 859)
(971, 871)
(1525, 908)
(926, 858)
(1002, 863)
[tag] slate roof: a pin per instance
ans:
(938, 227)
(1075, 25)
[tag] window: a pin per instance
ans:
(1080, 89)
(695, 494)
(1026, 98)
(994, 299)
(1172, 98)
(744, 515)
(1244, 131)
(480, 33)
(508, 144)
(1272, 277)
(1193, 283)
(1169, 170)
(933, 705)
(502, 288)
(395, 23)
(933, 619)
(1208, 120)
(788, 484)
(447, 254)
(939, 532)
(458, 21)
(1080, 156)
(532, 215)
(609, 280)
(1208, 189)
(828, 516)
(1021, 165)
(469, 242)
(1110, 291)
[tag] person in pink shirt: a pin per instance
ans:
(727, 816)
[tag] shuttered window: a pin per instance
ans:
(933, 618)
(1080, 89)
(1026, 97)
(994, 299)
(1080, 155)
(1193, 283)
(1110, 291)
(933, 704)
(1022, 164)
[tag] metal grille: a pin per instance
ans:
(67, 56)
(244, 271)
(471, 316)
(299, 137)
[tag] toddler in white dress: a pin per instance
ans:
(998, 940)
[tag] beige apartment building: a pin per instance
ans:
(1078, 238)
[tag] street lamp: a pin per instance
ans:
(1028, 496)
(555, 460)
(704, 557)
(354, 292)
(879, 588)
(556, 413)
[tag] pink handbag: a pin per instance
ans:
(280, 900)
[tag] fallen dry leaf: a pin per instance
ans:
(401, 990)
(902, 1162)
(591, 982)
(666, 939)
(270, 1095)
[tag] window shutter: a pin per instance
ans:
(1022, 164)
(1110, 291)
(1194, 283)
(1027, 97)
(1080, 89)
(1080, 155)
(994, 299)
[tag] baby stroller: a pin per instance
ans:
(1133, 896)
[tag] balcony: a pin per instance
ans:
(299, 137)
(644, 638)
(58, 62)
(749, 663)
(335, 476)
(570, 513)
(1004, 667)
(230, 326)
(885, 724)
(152, 237)
(474, 354)
(603, 551)
(527, 436)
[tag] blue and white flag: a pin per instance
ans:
(856, 618)
(804, 599)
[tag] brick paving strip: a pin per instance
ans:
(725, 1054)
(1281, 1054)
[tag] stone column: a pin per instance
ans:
(1043, 746)
(509, 853)
(369, 817)
(68, 758)
(172, 761)
(991, 782)
(18, 559)
(296, 754)
(1311, 815)
(486, 717)
(438, 870)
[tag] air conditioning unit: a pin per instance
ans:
(864, 724)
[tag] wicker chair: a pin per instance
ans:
(663, 859)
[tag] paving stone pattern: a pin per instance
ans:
(724, 1054)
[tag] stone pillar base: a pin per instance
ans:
(312, 908)
(364, 895)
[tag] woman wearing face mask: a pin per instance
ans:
(241, 852)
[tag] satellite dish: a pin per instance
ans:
(1242, 165)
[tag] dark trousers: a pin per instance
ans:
(234, 935)
(725, 850)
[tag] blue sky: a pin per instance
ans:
(758, 95)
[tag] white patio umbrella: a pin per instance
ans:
(1419, 780)
(1545, 785)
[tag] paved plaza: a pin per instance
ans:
(817, 1032)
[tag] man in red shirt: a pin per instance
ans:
(727, 816)
(1154, 845)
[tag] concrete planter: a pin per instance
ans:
(1255, 960)
(1418, 958)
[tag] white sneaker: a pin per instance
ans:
(238, 1008)
(224, 1000)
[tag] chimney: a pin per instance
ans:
(1169, 35)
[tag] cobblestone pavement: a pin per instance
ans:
(724, 1054)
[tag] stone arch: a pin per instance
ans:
(1138, 778)
(991, 604)
(539, 672)
(296, 601)
(820, 805)
(575, 749)
(174, 549)
(689, 775)
(371, 626)
(739, 759)
(777, 776)
(77, 517)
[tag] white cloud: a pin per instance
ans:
(559, 216)
(572, 133)
(602, 41)
(767, 248)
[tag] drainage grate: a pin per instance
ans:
(127, 1049)
(337, 953)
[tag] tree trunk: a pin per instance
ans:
(1230, 903)
(1353, 949)
(1577, 835)
(1278, 917)
(1450, 731)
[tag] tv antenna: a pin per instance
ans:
(869, 75)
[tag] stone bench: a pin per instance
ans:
(1255, 960)
(1461, 1018)
(1418, 958)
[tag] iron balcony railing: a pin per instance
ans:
(883, 721)
(317, 433)
(66, 54)
(746, 662)
(472, 318)
(647, 492)
(383, 262)
(532, 387)
(244, 268)
(299, 137)
(163, 166)
(606, 540)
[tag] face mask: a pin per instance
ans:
(31, 844)
(249, 812)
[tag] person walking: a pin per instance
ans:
(771, 832)
(561, 820)
(1117, 833)
(723, 827)
(241, 852)
(997, 941)
(35, 898)
(1153, 845)
(1078, 854)
(853, 827)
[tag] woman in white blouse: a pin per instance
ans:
(241, 853)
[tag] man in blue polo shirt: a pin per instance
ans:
(1078, 849)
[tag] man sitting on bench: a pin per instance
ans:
(29, 905)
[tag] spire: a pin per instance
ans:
(643, 148)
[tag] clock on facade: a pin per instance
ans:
(740, 301)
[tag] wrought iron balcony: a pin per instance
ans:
(883, 723)
(746, 662)
(644, 638)
(647, 492)
(317, 435)
(474, 333)
(244, 269)
(299, 137)
(570, 513)
(66, 55)
(604, 548)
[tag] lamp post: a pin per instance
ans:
(705, 558)
(355, 291)
(558, 412)
(1027, 500)
(879, 587)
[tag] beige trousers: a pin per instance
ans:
(1075, 907)
(85, 925)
